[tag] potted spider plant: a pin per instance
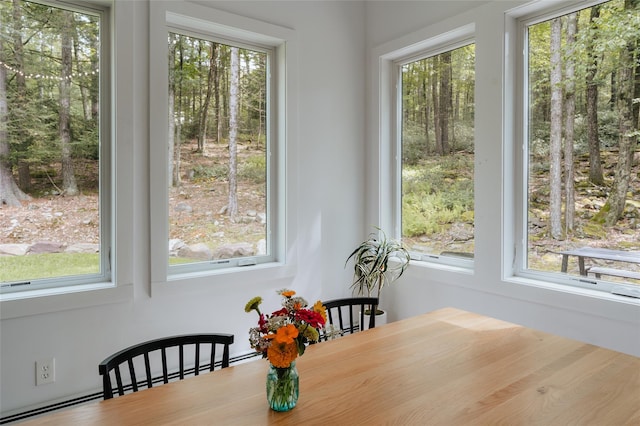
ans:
(378, 261)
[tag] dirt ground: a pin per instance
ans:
(196, 208)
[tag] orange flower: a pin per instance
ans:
(286, 334)
(288, 293)
(282, 354)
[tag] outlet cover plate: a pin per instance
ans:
(45, 371)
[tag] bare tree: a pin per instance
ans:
(24, 172)
(69, 185)
(216, 96)
(426, 107)
(445, 102)
(171, 119)
(628, 125)
(436, 103)
(232, 208)
(570, 112)
(204, 114)
(593, 139)
(10, 194)
(177, 108)
(555, 136)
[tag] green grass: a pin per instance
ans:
(34, 266)
(52, 265)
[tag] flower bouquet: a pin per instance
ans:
(281, 337)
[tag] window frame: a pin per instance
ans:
(429, 47)
(105, 147)
(215, 25)
(520, 22)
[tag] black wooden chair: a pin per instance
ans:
(156, 352)
(342, 313)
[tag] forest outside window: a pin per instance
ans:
(218, 143)
(582, 160)
(54, 146)
(437, 161)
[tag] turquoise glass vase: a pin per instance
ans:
(282, 387)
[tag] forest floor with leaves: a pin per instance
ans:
(69, 220)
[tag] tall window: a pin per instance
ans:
(582, 166)
(218, 153)
(437, 138)
(54, 146)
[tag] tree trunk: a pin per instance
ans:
(171, 119)
(20, 100)
(216, 96)
(178, 116)
(202, 133)
(628, 139)
(555, 137)
(10, 194)
(426, 109)
(94, 87)
(614, 89)
(570, 111)
(69, 185)
(263, 107)
(436, 106)
(593, 139)
(445, 101)
(233, 131)
(86, 101)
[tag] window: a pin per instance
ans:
(218, 144)
(581, 184)
(218, 196)
(437, 154)
(54, 145)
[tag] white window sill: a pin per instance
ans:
(34, 302)
(195, 281)
(572, 290)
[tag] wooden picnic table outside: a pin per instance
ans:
(597, 253)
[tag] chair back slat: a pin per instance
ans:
(132, 373)
(197, 372)
(156, 352)
(119, 382)
(212, 357)
(165, 371)
(338, 310)
(147, 370)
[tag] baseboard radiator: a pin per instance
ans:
(98, 395)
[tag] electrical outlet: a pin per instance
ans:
(45, 371)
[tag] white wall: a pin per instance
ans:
(327, 207)
(609, 321)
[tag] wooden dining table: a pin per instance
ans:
(447, 367)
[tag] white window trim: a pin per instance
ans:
(164, 17)
(119, 287)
